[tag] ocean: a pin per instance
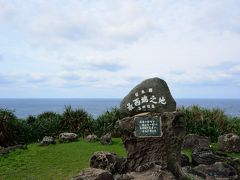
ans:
(25, 107)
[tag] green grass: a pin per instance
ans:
(188, 152)
(59, 161)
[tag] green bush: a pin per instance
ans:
(105, 123)
(12, 130)
(206, 122)
(77, 121)
(45, 124)
(209, 122)
(234, 124)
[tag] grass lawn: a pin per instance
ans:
(59, 161)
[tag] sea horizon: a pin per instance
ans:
(96, 98)
(23, 107)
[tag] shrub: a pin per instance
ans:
(77, 121)
(22, 132)
(234, 124)
(6, 117)
(45, 124)
(208, 122)
(12, 130)
(105, 123)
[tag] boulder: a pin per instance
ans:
(93, 174)
(205, 156)
(184, 160)
(108, 161)
(235, 163)
(47, 140)
(229, 142)
(68, 137)
(154, 173)
(192, 141)
(152, 95)
(106, 139)
(218, 170)
(193, 176)
(123, 177)
(91, 138)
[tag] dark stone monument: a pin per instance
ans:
(152, 95)
(153, 133)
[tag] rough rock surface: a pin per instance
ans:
(47, 140)
(68, 137)
(185, 160)
(229, 142)
(192, 141)
(154, 90)
(91, 138)
(154, 173)
(108, 161)
(235, 163)
(93, 174)
(193, 176)
(205, 156)
(215, 171)
(106, 139)
(164, 151)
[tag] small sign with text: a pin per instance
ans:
(147, 126)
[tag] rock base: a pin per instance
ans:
(93, 174)
(164, 150)
(154, 173)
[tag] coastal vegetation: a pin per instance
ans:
(209, 122)
(64, 160)
(206, 122)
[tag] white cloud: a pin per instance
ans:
(119, 43)
(36, 78)
(7, 11)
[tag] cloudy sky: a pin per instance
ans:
(99, 49)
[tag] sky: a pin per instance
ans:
(103, 48)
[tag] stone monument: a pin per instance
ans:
(153, 132)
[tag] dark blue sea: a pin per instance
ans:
(25, 107)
